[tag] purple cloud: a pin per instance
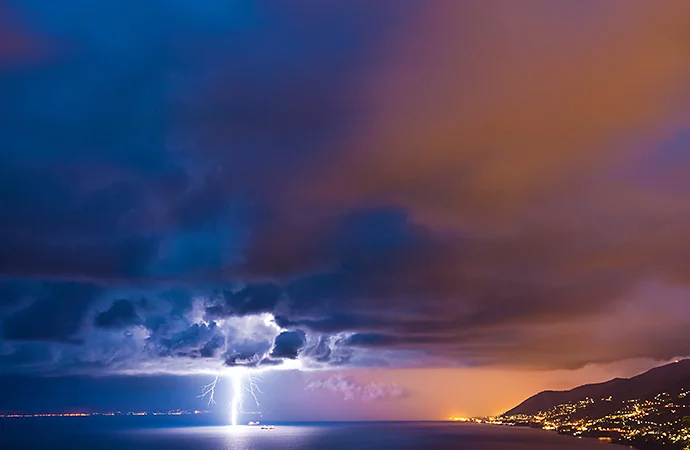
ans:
(351, 389)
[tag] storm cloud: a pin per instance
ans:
(288, 344)
(121, 314)
(196, 186)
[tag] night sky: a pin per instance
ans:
(428, 207)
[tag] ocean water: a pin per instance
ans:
(158, 433)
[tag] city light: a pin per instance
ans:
(663, 419)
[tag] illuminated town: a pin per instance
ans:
(661, 422)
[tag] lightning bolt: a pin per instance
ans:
(244, 381)
(252, 387)
(241, 381)
(236, 403)
(209, 391)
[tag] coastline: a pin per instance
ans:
(637, 444)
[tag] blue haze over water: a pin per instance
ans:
(181, 433)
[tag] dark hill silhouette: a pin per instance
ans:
(672, 378)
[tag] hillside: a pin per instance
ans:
(648, 411)
(672, 378)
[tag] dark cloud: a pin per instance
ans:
(252, 299)
(211, 348)
(121, 313)
(56, 313)
(330, 350)
(269, 362)
(320, 351)
(15, 295)
(288, 344)
(27, 357)
(405, 185)
(18, 47)
(197, 340)
(369, 340)
(247, 352)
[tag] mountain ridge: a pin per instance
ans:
(672, 378)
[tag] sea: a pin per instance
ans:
(181, 433)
